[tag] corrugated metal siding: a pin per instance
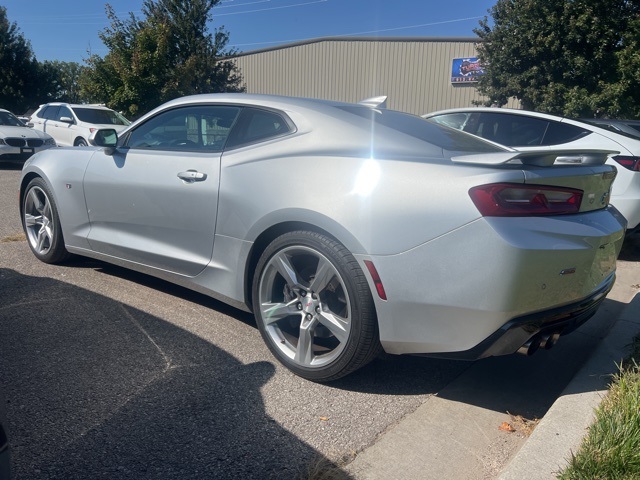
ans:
(415, 75)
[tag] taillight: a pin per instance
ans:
(516, 200)
(628, 162)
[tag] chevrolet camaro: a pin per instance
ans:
(345, 228)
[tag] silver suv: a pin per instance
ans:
(71, 124)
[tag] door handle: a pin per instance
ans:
(191, 176)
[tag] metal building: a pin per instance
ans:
(415, 73)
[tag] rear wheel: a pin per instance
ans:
(42, 224)
(313, 306)
(80, 142)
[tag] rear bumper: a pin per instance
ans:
(486, 288)
(517, 332)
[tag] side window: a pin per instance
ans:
(257, 125)
(64, 112)
(50, 113)
(194, 128)
(559, 132)
(512, 130)
(453, 120)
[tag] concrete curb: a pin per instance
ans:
(562, 429)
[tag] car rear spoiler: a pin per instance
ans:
(537, 158)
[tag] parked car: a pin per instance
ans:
(343, 227)
(71, 125)
(17, 141)
(630, 127)
(531, 130)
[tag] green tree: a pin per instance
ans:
(565, 57)
(167, 54)
(19, 72)
(62, 81)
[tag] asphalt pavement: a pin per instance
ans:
(106, 373)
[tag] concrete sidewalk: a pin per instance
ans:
(450, 437)
(562, 429)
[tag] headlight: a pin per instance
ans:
(50, 141)
(2, 142)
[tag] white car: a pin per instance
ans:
(17, 141)
(522, 129)
(71, 125)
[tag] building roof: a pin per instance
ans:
(358, 39)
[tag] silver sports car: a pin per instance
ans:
(345, 228)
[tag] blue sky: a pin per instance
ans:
(66, 29)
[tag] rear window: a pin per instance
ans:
(100, 116)
(433, 133)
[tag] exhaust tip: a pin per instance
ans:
(551, 340)
(531, 346)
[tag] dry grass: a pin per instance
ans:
(16, 237)
(322, 468)
(523, 425)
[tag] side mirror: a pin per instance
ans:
(106, 138)
(66, 119)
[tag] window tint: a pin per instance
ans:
(510, 130)
(559, 132)
(64, 112)
(634, 126)
(50, 112)
(453, 120)
(10, 119)
(427, 131)
(100, 116)
(186, 129)
(256, 124)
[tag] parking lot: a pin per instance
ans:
(107, 373)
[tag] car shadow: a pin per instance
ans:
(387, 374)
(631, 247)
(96, 388)
(513, 383)
(10, 166)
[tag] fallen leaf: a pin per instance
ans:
(506, 427)
(324, 419)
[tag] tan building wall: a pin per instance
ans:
(415, 73)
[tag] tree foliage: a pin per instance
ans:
(62, 79)
(167, 54)
(19, 67)
(566, 57)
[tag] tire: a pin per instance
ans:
(314, 307)
(80, 142)
(41, 223)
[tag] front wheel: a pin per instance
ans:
(41, 223)
(313, 306)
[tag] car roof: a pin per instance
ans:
(76, 105)
(275, 102)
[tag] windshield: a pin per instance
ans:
(439, 135)
(10, 119)
(100, 116)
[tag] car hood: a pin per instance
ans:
(21, 132)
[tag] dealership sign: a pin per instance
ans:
(465, 70)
